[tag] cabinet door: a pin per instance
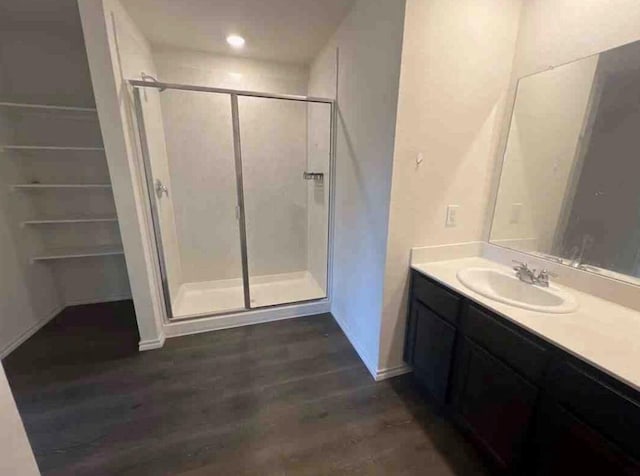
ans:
(566, 445)
(493, 403)
(432, 351)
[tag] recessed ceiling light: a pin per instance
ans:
(235, 41)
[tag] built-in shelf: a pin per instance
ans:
(49, 107)
(70, 220)
(49, 147)
(40, 186)
(78, 252)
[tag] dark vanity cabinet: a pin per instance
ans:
(532, 408)
(492, 402)
(432, 358)
(566, 445)
(431, 336)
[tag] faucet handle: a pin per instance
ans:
(546, 272)
(521, 265)
(542, 279)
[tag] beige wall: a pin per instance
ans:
(548, 117)
(553, 32)
(117, 51)
(456, 66)
(450, 115)
(369, 41)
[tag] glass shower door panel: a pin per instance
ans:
(286, 215)
(191, 154)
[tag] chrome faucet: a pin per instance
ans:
(524, 273)
(529, 275)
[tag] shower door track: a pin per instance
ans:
(207, 89)
(155, 218)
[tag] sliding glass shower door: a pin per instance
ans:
(285, 185)
(239, 193)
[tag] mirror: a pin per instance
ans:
(570, 184)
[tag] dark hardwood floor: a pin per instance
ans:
(289, 397)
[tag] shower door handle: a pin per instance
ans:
(161, 189)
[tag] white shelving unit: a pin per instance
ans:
(39, 186)
(68, 221)
(50, 107)
(49, 147)
(62, 212)
(78, 252)
(47, 131)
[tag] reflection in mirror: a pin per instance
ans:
(570, 184)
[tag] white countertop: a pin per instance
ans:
(600, 332)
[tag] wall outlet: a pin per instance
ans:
(516, 212)
(452, 216)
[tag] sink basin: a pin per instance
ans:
(506, 288)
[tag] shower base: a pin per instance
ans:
(213, 297)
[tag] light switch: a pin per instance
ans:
(516, 212)
(452, 216)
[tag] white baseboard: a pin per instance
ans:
(377, 374)
(30, 331)
(392, 372)
(151, 344)
(228, 321)
(82, 302)
(357, 347)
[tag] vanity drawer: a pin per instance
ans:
(597, 403)
(437, 298)
(514, 348)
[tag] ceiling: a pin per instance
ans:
(291, 31)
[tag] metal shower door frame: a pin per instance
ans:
(242, 222)
(237, 146)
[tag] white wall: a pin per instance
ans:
(369, 42)
(456, 66)
(16, 456)
(199, 137)
(116, 51)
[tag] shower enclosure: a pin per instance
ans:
(239, 186)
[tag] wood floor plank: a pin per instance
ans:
(284, 398)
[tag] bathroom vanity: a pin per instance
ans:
(539, 393)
